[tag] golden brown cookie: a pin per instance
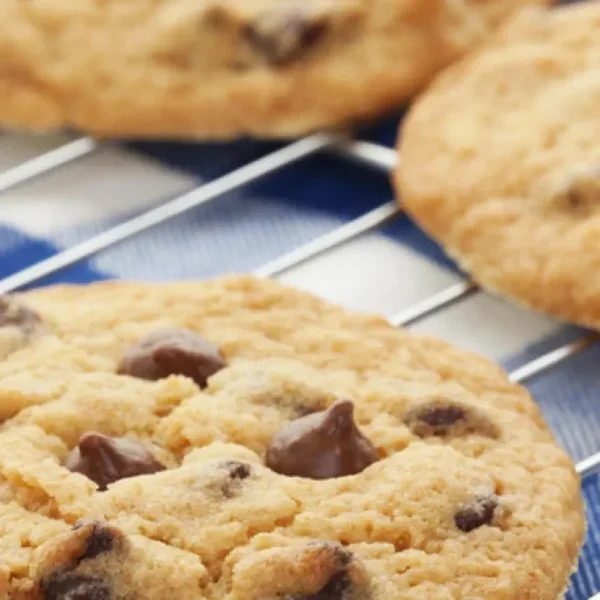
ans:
(280, 448)
(501, 162)
(225, 68)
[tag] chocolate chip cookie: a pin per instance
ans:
(239, 440)
(225, 68)
(501, 162)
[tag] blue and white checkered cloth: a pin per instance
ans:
(390, 269)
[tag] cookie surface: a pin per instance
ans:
(327, 455)
(225, 68)
(501, 162)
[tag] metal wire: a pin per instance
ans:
(44, 163)
(202, 195)
(433, 304)
(385, 159)
(588, 465)
(369, 154)
(343, 234)
(382, 158)
(551, 359)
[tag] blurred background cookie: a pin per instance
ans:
(501, 162)
(225, 68)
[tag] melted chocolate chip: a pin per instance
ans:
(284, 36)
(442, 418)
(476, 513)
(322, 445)
(100, 540)
(72, 586)
(173, 351)
(230, 475)
(106, 460)
(347, 580)
(582, 191)
(334, 590)
(13, 314)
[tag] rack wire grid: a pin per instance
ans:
(364, 154)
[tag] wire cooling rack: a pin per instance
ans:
(365, 154)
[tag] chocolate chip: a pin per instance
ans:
(338, 584)
(106, 460)
(64, 571)
(322, 445)
(442, 418)
(100, 540)
(334, 590)
(476, 513)
(581, 191)
(236, 470)
(283, 36)
(227, 479)
(348, 579)
(172, 352)
(72, 586)
(13, 314)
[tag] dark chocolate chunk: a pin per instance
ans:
(173, 351)
(322, 445)
(284, 36)
(476, 513)
(106, 460)
(442, 418)
(72, 586)
(13, 314)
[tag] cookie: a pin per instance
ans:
(501, 164)
(225, 68)
(239, 440)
